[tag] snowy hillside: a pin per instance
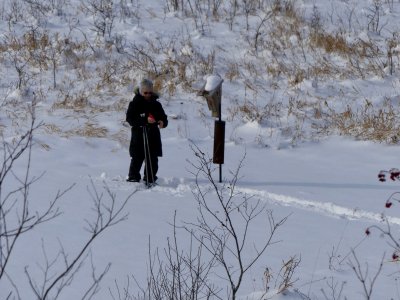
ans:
(310, 96)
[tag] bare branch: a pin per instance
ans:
(223, 230)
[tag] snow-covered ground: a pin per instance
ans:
(329, 191)
(327, 186)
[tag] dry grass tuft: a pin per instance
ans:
(90, 129)
(75, 102)
(367, 123)
(331, 43)
(121, 137)
(253, 111)
(52, 129)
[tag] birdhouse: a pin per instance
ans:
(212, 91)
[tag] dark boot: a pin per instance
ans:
(134, 169)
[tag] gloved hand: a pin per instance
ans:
(142, 120)
(151, 119)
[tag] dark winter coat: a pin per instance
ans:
(138, 111)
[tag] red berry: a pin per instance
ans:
(381, 176)
(395, 256)
(394, 173)
(388, 204)
(367, 232)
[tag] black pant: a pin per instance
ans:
(139, 151)
(136, 165)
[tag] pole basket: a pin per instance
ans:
(219, 142)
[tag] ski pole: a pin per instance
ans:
(145, 153)
(149, 156)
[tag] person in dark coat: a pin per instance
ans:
(145, 114)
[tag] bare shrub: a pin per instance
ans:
(35, 48)
(218, 240)
(171, 61)
(108, 213)
(173, 5)
(231, 12)
(335, 290)
(45, 51)
(129, 11)
(374, 17)
(386, 231)
(223, 229)
(103, 15)
(143, 59)
(16, 200)
(284, 7)
(316, 22)
(178, 274)
(363, 275)
(14, 14)
(367, 59)
(195, 8)
(249, 8)
(392, 52)
(38, 9)
(109, 74)
(17, 53)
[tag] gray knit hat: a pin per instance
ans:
(146, 84)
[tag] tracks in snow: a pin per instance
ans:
(182, 187)
(325, 208)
